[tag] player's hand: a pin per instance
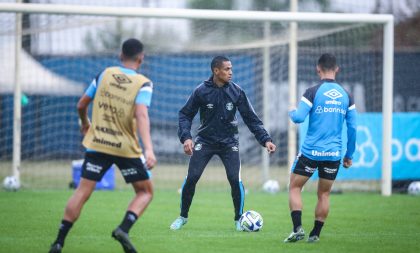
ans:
(270, 147)
(188, 146)
(84, 127)
(347, 163)
(292, 108)
(150, 159)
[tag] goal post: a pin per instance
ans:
(387, 102)
(386, 21)
(17, 108)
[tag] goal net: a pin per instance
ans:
(61, 54)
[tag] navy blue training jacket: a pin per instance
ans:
(218, 106)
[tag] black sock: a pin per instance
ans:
(128, 221)
(63, 231)
(317, 228)
(296, 219)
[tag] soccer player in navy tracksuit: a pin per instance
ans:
(328, 105)
(217, 99)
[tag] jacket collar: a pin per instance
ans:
(209, 82)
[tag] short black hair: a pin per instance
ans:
(217, 62)
(131, 48)
(327, 62)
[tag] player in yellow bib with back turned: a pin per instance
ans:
(121, 98)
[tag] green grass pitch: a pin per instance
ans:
(358, 222)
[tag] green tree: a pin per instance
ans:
(211, 31)
(109, 39)
(211, 4)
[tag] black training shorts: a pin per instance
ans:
(306, 167)
(96, 164)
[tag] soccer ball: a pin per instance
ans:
(251, 221)
(414, 188)
(11, 183)
(271, 186)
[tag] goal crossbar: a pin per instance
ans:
(195, 13)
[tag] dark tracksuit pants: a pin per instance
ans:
(201, 156)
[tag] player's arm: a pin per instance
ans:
(83, 104)
(185, 118)
(82, 109)
(254, 124)
(143, 125)
(351, 134)
(305, 105)
(143, 101)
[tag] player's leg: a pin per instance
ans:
(144, 195)
(323, 204)
(78, 199)
(198, 161)
(295, 205)
(231, 161)
(93, 169)
(327, 175)
(321, 209)
(302, 170)
(134, 172)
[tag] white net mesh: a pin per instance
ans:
(62, 54)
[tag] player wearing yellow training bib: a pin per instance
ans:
(120, 98)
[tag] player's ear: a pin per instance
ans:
(337, 69)
(318, 69)
(140, 58)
